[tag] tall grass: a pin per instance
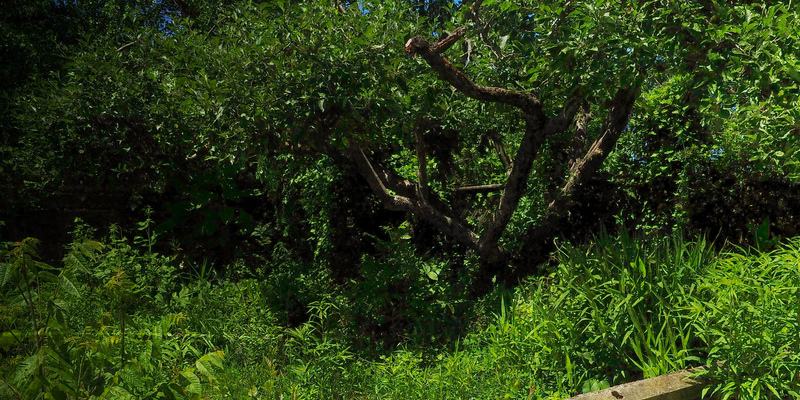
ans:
(626, 299)
(747, 313)
(117, 320)
(610, 313)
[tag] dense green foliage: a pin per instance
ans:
(96, 327)
(402, 198)
(231, 115)
(118, 321)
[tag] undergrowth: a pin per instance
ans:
(117, 320)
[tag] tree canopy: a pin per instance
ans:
(482, 130)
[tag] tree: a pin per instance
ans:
(496, 124)
(584, 35)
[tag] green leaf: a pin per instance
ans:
(146, 356)
(29, 366)
(47, 276)
(792, 71)
(642, 268)
(194, 385)
(6, 270)
(206, 363)
(29, 247)
(117, 392)
(568, 366)
(67, 285)
(9, 339)
(216, 357)
(504, 41)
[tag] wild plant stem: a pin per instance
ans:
(29, 300)
(122, 325)
(13, 389)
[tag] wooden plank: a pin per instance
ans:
(674, 386)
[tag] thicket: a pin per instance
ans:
(236, 117)
(116, 320)
(397, 198)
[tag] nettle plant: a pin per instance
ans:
(78, 330)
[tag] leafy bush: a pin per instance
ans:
(117, 320)
(407, 298)
(87, 330)
(747, 313)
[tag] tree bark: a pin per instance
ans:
(494, 137)
(538, 239)
(403, 195)
(422, 164)
(527, 102)
(480, 188)
(409, 201)
(586, 167)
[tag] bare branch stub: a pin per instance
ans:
(127, 46)
(446, 42)
(580, 137)
(496, 187)
(340, 6)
